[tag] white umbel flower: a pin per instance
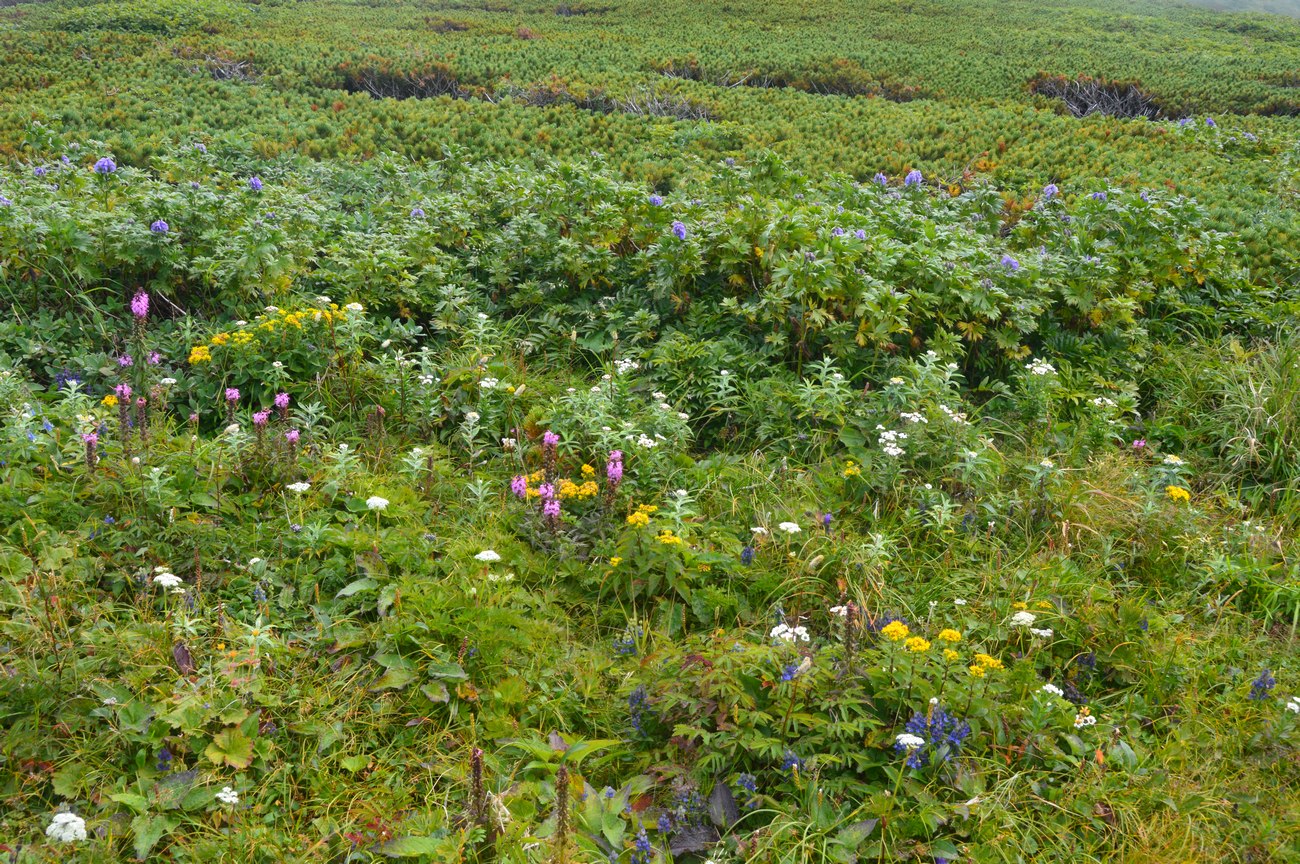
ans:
(790, 527)
(1053, 689)
(1022, 619)
(908, 741)
(1044, 633)
(374, 502)
(66, 828)
(167, 580)
(487, 556)
(299, 487)
(227, 795)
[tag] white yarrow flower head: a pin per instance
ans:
(66, 828)
(1044, 633)
(908, 741)
(354, 307)
(374, 502)
(1053, 690)
(299, 487)
(227, 795)
(487, 556)
(790, 527)
(1022, 619)
(758, 531)
(167, 580)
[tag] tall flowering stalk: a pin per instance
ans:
(140, 312)
(142, 419)
(123, 393)
(282, 405)
(614, 474)
(91, 440)
(561, 853)
(232, 400)
(550, 450)
(260, 419)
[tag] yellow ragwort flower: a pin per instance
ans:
(1019, 605)
(917, 645)
(988, 662)
(668, 538)
(110, 400)
(976, 670)
(950, 655)
(638, 519)
(615, 561)
(895, 631)
(949, 635)
(1178, 494)
(200, 354)
(588, 471)
(852, 470)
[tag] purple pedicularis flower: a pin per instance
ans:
(1050, 191)
(550, 440)
(282, 401)
(551, 510)
(614, 468)
(679, 229)
(1010, 263)
(519, 486)
(255, 183)
(913, 178)
(160, 227)
(140, 305)
(232, 394)
(105, 166)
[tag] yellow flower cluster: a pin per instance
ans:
(110, 400)
(200, 354)
(568, 489)
(668, 538)
(949, 635)
(895, 631)
(950, 655)
(588, 472)
(641, 517)
(277, 319)
(851, 469)
(1019, 605)
(615, 561)
(1178, 494)
(917, 645)
(983, 663)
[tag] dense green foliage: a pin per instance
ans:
(567, 461)
(523, 80)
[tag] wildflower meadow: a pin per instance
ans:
(735, 504)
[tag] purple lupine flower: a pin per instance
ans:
(105, 166)
(200, 146)
(1185, 122)
(417, 213)
(679, 229)
(260, 418)
(232, 394)
(861, 234)
(39, 171)
(1050, 191)
(1209, 121)
(255, 183)
(546, 491)
(913, 178)
(826, 522)
(154, 358)
(880, 179)
(837, 231)
(1098, 196)
(519, 486)
(160, 227)
(656, 201)
(292, 436)
(140, 305)
(1010, 263)
(125, 360)
(123, 391)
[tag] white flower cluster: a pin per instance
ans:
(489, 383)
(840, 611)
(1293, 705)
(299, 487)
(1172, 460)
(786, 633)
(958, 417)
(1022, 619)
(66, 828)
(1044, 633)
(1054, 690)
(622, 367)
(643, 441)
(374, 502)
(913, 417)
(1082, 720)
(165, 579)
(888, 441)
(1103, 402)
(227, 795)
(487, 556)
(1038, 366)
(908, 741)
(790, 527)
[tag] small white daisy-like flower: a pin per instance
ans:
(841, 611)
(355, 307)
(227, 795)
(790, 527)
(1047, 463)
(1053, 689)
(509, 444)
(1172, 460)
(374, 502)
(66, 828)
(908, 741)
(487, 556)
(167, 580)
(1293, 705)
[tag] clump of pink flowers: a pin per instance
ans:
(519, 486)
(550, 445)
(551, 513)
(282, 405)
(140, 305)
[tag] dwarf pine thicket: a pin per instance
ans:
(464, 431)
